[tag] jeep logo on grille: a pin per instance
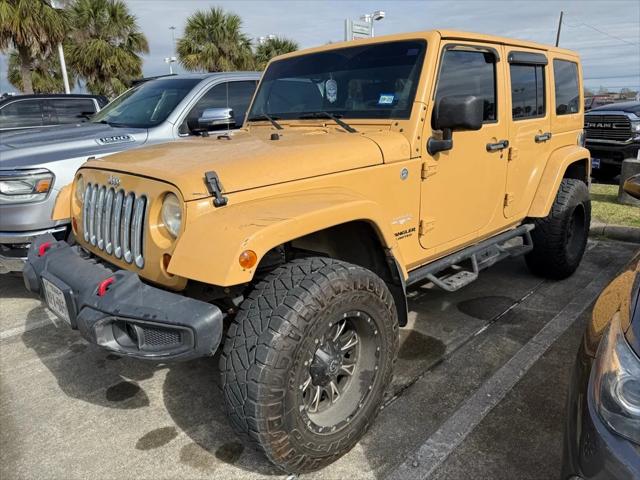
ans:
(113, 181)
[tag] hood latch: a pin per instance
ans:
(215, 188)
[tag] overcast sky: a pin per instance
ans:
(610, 59)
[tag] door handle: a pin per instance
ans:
(494, 147)
(543, 137)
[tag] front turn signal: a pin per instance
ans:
(248, 259)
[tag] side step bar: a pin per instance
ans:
(481, 256)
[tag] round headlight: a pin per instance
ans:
(80, 188)
(172, 214)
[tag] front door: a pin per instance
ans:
(463, 188)
(530, 127)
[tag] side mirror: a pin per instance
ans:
(632, 186)
(455, 113)
(216, 118)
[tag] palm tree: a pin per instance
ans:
(46, 75)
(272, 47)
(106, 47)
(32, 28)
(213, 42)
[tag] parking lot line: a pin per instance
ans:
(437, 448)
(12, 332)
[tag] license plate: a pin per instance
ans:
(55, 300)
(595, 163)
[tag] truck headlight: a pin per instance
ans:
(24, 186)
(635, 128)
(172, 214)
(616, 383)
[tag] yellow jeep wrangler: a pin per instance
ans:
(363, 168)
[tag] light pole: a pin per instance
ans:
(262, 40)
(59, 5)
(371, 17)
(172, 59)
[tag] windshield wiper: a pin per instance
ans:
(332, 116)
(264, 116)
(111, 124)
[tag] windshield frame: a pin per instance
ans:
(405, 114)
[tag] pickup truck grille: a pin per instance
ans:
(113, 221)
(607, 127)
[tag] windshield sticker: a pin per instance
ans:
(386, 99)
(331, 89)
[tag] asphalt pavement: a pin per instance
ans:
(478, 391)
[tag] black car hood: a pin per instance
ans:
(629, 107)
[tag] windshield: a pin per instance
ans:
(146, 105)
(367, 81)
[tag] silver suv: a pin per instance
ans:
(35, 165)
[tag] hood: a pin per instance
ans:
(251, 159)
(32, 148)
(629, 107)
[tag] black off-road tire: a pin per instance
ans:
(560, 239)
(268, 343)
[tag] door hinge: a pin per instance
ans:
(508, 199)
(513, 154)
(425, 226)
(428, 171)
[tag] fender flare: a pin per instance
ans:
(553, 174)
(209, 248)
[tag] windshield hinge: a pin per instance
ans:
(215, 189)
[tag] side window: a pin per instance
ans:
(527, 91)
(469, 72)
(565, 76)
(235, 95)
(240, 95)
(22, 113)
(71, 110)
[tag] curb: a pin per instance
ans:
(615, 232)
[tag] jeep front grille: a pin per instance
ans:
(607, 127)
(113, 221)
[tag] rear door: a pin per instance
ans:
(529, 126)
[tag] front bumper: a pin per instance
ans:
(591, 450)
(131, 318)
(15, 245)
(612, 154)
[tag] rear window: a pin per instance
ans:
(565, 75)
(21, 113)
(70, 110)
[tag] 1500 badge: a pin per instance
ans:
(115, 139)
